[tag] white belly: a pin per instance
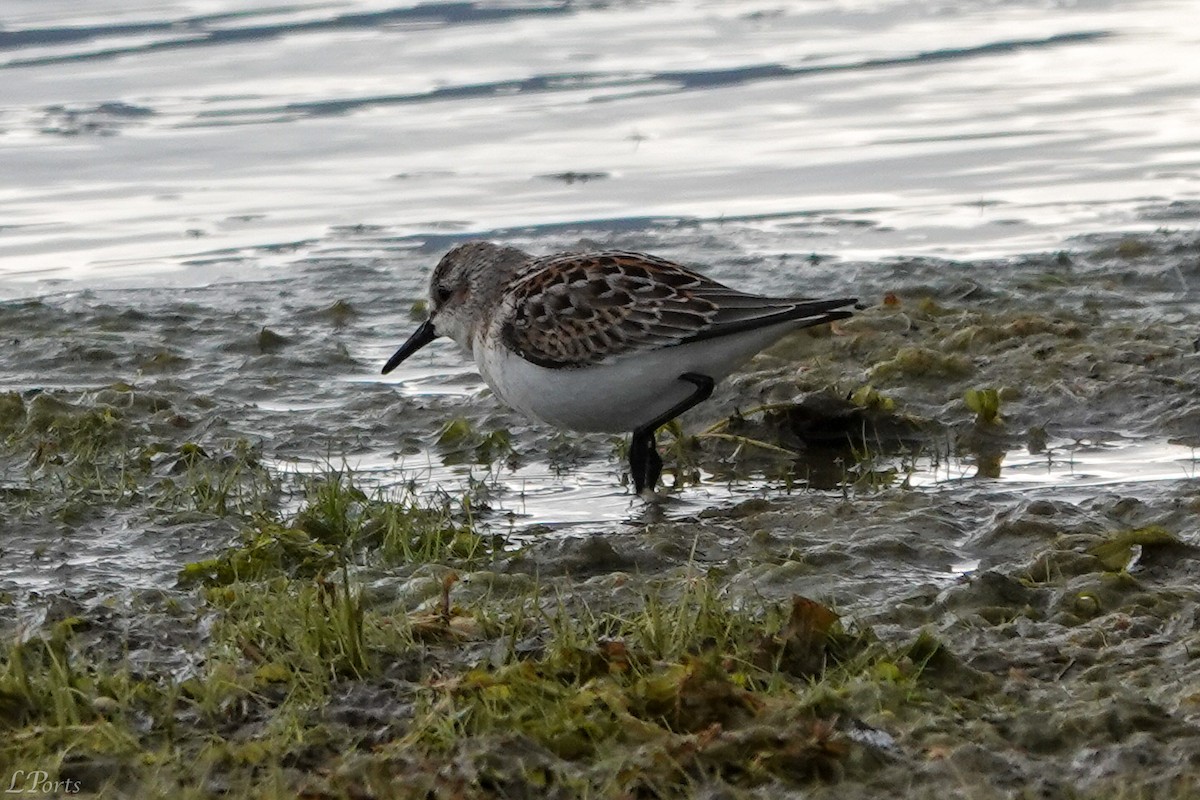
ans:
(619, 396)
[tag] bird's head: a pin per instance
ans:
(465, 286)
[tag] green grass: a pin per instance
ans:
(313, 680)
(603, 688)
(679, 676)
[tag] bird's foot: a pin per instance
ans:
(645, 464)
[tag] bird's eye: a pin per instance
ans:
(441, 294)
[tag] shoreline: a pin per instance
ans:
(333, 633)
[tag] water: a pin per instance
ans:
(196, 141)
(223, 166)
(534, 497)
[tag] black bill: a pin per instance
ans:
(421, 337)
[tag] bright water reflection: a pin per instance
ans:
(138, 139)
(535, 497)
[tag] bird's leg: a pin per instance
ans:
(645, 464)
(640, 447)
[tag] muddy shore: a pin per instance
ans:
(234, 562)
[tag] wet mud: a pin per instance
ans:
(921, 553)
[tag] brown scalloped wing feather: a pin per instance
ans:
(575, 310)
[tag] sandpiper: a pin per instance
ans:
(608, 341)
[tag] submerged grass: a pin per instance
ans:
(339, 523)
(124, 448)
